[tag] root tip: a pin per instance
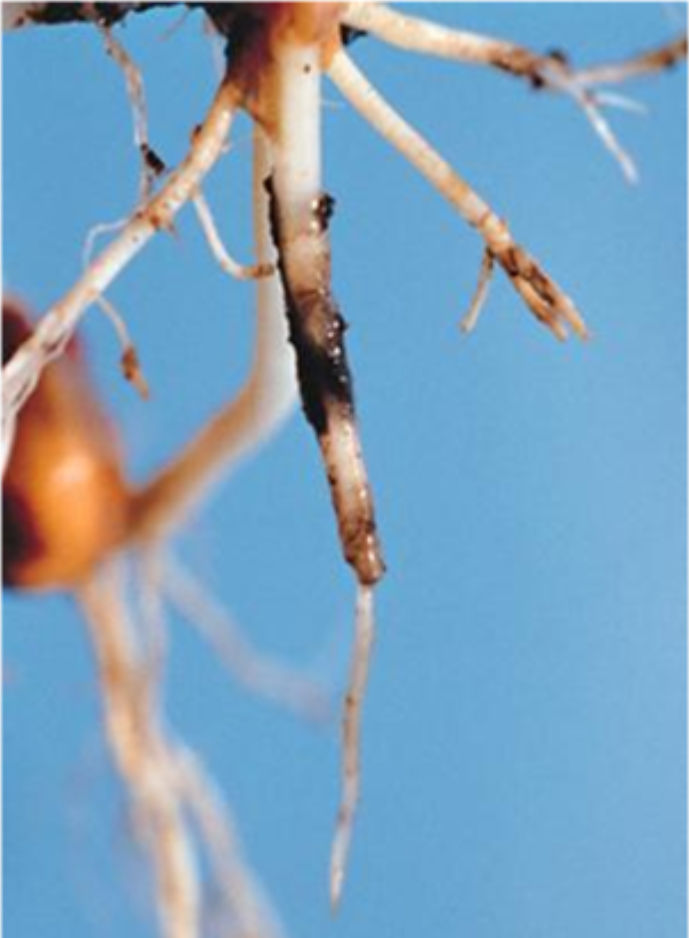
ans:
(336, 884)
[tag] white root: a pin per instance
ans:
(558, 78)
(468, 322)
(351, 740)
(621, 101)
(151, 620)
(225, 261)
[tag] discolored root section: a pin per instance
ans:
(129, 359)
(541, 294)
(317, 334)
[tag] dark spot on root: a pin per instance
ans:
(558, 55)
(325, 381)
(362, 550)
(518, 265)
(349, 34)
(131, 369)
(510, 261)
(316, 332)
(158, 218)
(152, 160)
(516, 61)
(324, 210)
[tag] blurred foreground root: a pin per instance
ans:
(176, 810)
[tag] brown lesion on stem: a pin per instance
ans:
(317, 334)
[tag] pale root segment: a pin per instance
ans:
(262, 405)
(351, 731)
(541, 294)
(469, 320)
(226, 262)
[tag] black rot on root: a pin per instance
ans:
(316, 330)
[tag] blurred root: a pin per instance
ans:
(176, 808)
(142, 752)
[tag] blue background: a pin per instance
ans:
(524, 758)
